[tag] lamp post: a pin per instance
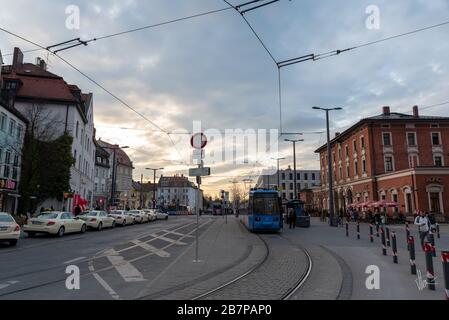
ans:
(154, 184)
(294, 164)
(329, 165)
(114, 169)
(278, 174)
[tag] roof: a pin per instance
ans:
(175, 182)
(147, 187)
(391, 117)
(121, 157)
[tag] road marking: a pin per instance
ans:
(128, 272)
(146, 246)
(7, 284)
(74, 260)
(178, 234)
(169, 240)
(103, 283)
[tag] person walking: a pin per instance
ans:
(423, 227)
(292, 219)
(77, 211)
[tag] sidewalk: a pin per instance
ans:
(225, 251)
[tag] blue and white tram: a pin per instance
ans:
(264, 211)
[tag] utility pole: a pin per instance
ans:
(295, 187)
(329, 166)
(278, 173)
(154, 184)
(141, 191)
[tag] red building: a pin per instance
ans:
(395, 157)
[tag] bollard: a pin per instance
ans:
(438, 231)
(347, 229)
(429, 266)
(358, 230)
(407, 232)
(377, 230)
(388, 237)
(445, 258)
(411, 246)
(384, 247)
(394, 247)
(431, 238)
(371, 235)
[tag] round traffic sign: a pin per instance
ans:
(198, 141)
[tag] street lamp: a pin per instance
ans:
(329, 165)
(294, 163)
(278, 160)
(114, 169)
(154, 184)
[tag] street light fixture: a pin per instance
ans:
(294, 164)
(329, 165)
(278, 160)
(154, 184)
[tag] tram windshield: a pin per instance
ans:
(265, 204)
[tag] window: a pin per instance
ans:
(313, 176)
(436, 141)
(306, 176)
(291, 196)
(347, 170)
(340, 172)
(291, 186)
(298, 176)
(12, 127)
(347, 150)
(363, 166)
(389, 164)
(438, 161)
(434, 125)
(3, 119)
(362, 142)
(411, 139)
(16, 160)
(354, 146)
(8, 157)
(19, 131)
(356, 168)
(283, 186)
(386, 138)
(434, 202)
(283, 176)
(413, 161)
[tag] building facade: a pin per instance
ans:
(121, 172)
(102, 180)
(177, 192)
(396, 157)
(305, 180)
(60, 108)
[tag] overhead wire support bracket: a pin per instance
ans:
(256, 7)
(78, 40)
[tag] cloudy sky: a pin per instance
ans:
(212, 69)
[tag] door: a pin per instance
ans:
(435, 202)
(107, 221)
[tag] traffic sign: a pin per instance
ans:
(198, 141)
(199, 172)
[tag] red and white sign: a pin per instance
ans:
(198, 141)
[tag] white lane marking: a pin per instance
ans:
(146, 246)
(74, 260)
(178, 234)
(103, 283)
(180, 243)
(7, 284)
(128, 272)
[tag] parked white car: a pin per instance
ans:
(55, 223)
(139, 215)
(161, 215)
(151, 214)
(121, 218)
(9, 229)
(97, 220)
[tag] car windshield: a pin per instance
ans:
(91, 214)
(5, 218)
(134, 212)
(48, 216)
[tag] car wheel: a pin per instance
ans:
(61, 232)
(12, 243)
(83, 229)
(124, 223)
(113, 224)
(166, 218)
(100, 226)
(31, 234)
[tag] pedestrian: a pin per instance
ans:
(432, 222)
(52, 209)
(292, 218)
(77, 210)
(423, 227)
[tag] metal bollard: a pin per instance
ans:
(431, 238)
(394, 247)
(445, 258)
(347, 229)
(371, 235)
(358, 230)
(438, 231)
(384, 247)
(429, 266)
(377, 230)
(388, 237)
(411, 246)
(407, 233)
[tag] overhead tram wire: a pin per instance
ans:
(97, 84)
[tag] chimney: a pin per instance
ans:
(386, 111)
(415, 112)
(17, 60)
(41, 63)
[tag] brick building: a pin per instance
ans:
(393, 156)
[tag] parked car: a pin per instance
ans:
(9, 229)
(151, 214)
(55, 223)
(139, 216)
(121, 217)
(97, 220)
(161, 215)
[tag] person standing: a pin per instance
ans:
(292, 219)
(423, 227)
(77, 210)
